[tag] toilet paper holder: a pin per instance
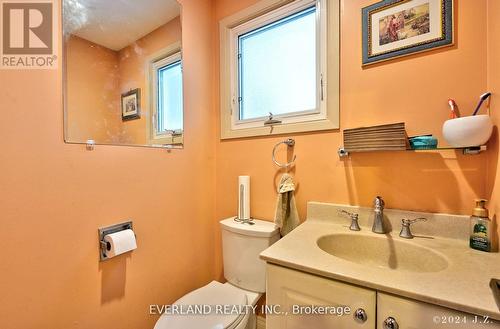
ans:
(103, 231)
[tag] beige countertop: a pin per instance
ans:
(463, 285)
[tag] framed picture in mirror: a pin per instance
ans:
(131, 105)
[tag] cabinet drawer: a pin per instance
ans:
(286, 288)
(411, 314)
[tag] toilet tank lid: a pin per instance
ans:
(260, 228)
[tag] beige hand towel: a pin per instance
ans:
(286, 217)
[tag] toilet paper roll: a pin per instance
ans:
(119, 242)
(244, 197)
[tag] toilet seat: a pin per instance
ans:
(213, 294)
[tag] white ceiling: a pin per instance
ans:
(116, 24)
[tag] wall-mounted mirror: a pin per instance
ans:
(123, 72)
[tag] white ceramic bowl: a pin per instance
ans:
(468, 131)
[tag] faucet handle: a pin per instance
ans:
(354, 219)
(412, 221)
(405, 227)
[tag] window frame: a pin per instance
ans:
(163, 58)
(325, 115)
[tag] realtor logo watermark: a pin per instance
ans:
(29, 34)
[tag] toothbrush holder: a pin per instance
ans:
(468, 131)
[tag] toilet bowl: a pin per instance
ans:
(214, 294)
(229, 305)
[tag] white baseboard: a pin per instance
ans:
(261, 322)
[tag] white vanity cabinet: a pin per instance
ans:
(369, 308)
(286, 287)
(411, 314)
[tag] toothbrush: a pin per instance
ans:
(454, 109)
(481, 100)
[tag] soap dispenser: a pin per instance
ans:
(480, 235)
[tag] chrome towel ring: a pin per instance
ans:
(290, 143)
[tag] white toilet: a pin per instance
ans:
(245, 272)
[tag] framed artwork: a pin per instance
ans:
(131, 105)
(395, 28)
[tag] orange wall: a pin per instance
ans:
(93, 110)
(413, 89)
(132, 63)
(494, 87)
(54, 196)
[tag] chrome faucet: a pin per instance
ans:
(378, 221)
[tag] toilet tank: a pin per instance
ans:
(241, 246)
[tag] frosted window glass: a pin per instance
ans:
(277, 67)
(170, 97)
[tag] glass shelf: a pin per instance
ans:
(465, 150)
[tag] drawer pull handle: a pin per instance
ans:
(360, 315)
(391, 323)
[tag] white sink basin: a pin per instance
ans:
(383, 251)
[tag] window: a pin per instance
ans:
(169, 107)
(278, 79)
(167, 99)
(274, 61)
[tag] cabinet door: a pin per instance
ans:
(286, 288)
(410, 314)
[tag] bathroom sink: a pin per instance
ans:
(383, 251)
